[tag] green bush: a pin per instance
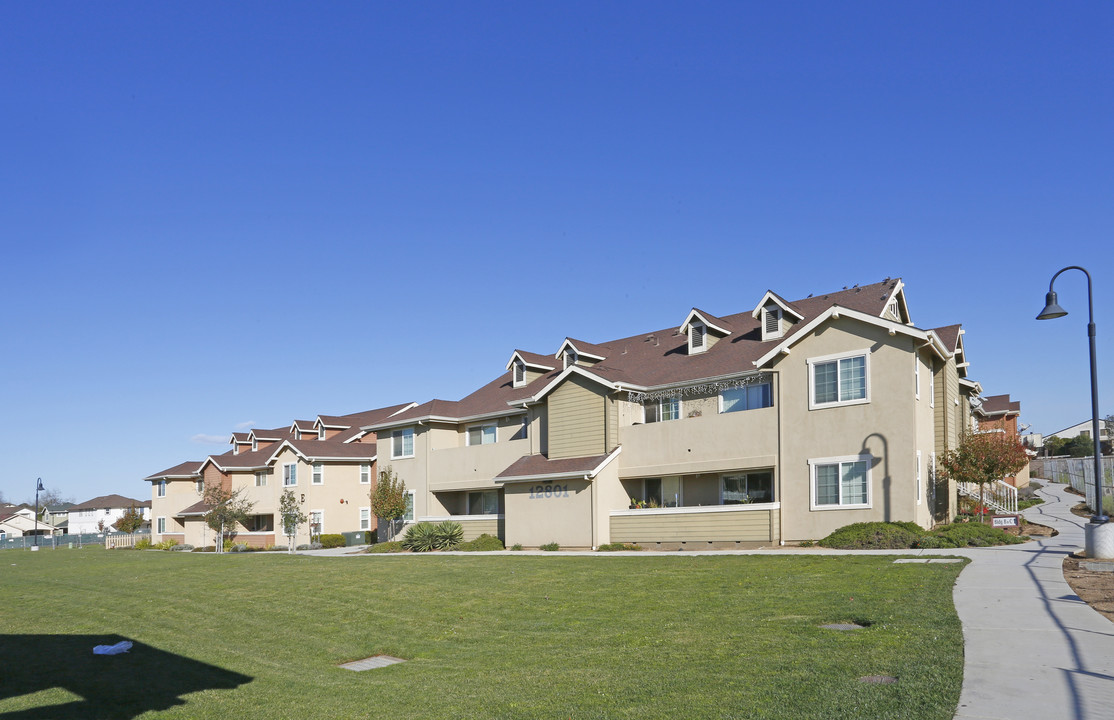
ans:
(516, 546)
(166, 544)
(420, 538)
(371, 536)
(615, 547)
(332, 540)
(240, 547)
(550, 547)
(144, 544)
(975, 535)
(448, 535)
(182, 548)
(1028, 503)
(872, 536)
(484, 543)
(393, 546)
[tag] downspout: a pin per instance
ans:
(595, 544)
(780, 467)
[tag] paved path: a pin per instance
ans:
(1032, 649)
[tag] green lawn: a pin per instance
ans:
(260, 635)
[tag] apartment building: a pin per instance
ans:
(774, 425)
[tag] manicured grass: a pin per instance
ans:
(485, 637)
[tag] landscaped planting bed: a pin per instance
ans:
(506, 636)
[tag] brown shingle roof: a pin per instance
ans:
(949, 335)
(186, 469)
(108, 501)
(999, 405)
(315, 449)
(536, 466)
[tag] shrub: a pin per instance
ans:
(371, 536)
(332, 540)
(516, 546)
(1029, 502)
(303, 546)
(448, 535)
(615, 547)
(975, 535)
(183, 548)
(166, 544)
(316, 546)
(393, 546)
(420, 538)
(239, 547)
(484, 543)
(550, 547)
(144, 544)
(872, 536)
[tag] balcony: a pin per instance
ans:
(472, 467)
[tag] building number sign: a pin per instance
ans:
(548, 491)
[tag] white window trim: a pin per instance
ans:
(321, 433)
(292, 475)
(413, 506)
(812, 404)
(361, 516)
(780, 332)
(402, 434)
(920, 491)
(261, 478)
(721, 392)
(365, 472)
(161, 491)
(468, 433)
(317, 474)
(160, 525)
(515, 382)
(254, 444)
(571, 358)
(693, 350)
(813, 462)
(917, 376)
(680, 409)
(309, 521)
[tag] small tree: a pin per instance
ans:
(292, 517)
(983, 458)
(389, 499)
(226, 509)
(130, 521)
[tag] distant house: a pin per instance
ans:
(20, 522)
(997, 413)
(101, 513)
(59, 516)
(1083, 428)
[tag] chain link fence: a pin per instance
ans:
(1080, 474)
(53, 542)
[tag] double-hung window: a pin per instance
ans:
(365, 518)
(365, 474)
(662, 410)
(289, 474)
(261, 478)
(162, 488)
(481, 434)
(841, 483)
(402, 443)
(318, 474)
(747, 397)
(160, 525)
(839, 380)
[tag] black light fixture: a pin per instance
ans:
(1052, 309)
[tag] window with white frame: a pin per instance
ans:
(161, 488)
(408, 516)
(749, 487)
(365, 518)
(519, 373)
(402, 443)
(481, 434)
(365, 474)
(839, 380)
(771, 322)
(698, 341)
(570, 357)
(524, 429)
(289, 474)
(318, 477)
(321, 433)
(661, 410)
(483, 502)
(254, 444)
(261, 478)
(316, 522)
(841, 483)
(747, 397)
(160, 525)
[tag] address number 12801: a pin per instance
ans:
(548, 491)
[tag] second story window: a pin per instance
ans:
(199, 485)
(318, 474)
(748, 397)
(162, 488)
(365, 474)
(481, 434)
(402, 443)
(662, 410)
(261, 479)
(290, 474)
(838, 380)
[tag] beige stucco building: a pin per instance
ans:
(775, 425)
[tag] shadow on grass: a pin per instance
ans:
(111, 686)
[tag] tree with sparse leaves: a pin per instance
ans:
(983, 458)
(130, 521)
(292, 516)
(226, 509)
(389, 499)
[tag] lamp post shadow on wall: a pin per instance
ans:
(1099, 533)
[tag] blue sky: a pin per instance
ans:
(219, 214)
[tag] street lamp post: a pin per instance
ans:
(38, 488)
(1099, 533)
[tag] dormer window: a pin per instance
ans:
(893, 310)
(771, 322)
(254, 444)
(321, 433)
(519, 374)
(570, 358)
(698, 341)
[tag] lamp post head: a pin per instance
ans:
(1052, 309)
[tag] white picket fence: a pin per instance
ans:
(999, 496)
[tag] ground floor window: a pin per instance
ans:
(483, 502)
(365, 518)
(409, 516)
(841, 482)
(749, 487)
(661, 492)
(261, 523)
(316, 522)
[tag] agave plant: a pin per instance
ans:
(420, 538)
(448, 535)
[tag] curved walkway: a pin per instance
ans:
(1032, 649)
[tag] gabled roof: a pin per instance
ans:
(999, 405)
(188, 469)
(787, 307)
(534, 361)
(534, 467)
(303, 425)
(324, 450)
(898, 294)
(198, 508)
(583, 349)
(239, 462)
(949, 336)
(272, 435)
(711, 321)
(240, 437)
(108, 502)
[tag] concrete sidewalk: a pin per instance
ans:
(1032, 649)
